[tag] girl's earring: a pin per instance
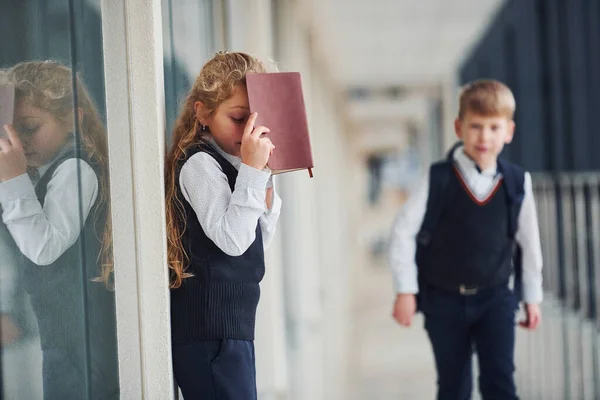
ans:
(203, 128)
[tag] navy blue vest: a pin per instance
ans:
(462, 243)
(471, 245)
(74, 312)
(220, 300)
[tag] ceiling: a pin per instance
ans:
(381, 43)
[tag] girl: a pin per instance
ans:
(221, 213)
(55, 202)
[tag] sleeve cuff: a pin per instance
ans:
(406, 286)
(16, 188)
(532, 293)
(252, 178)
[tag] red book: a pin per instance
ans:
(278, 99)
(7, 106)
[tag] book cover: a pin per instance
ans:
(7, 106)
(279, 101)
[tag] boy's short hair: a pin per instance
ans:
(486, 97)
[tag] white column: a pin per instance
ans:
(133, 62)
(332, 156)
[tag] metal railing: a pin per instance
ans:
(562, 359)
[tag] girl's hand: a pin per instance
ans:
(12, 156)
(269, 198)
(255, 150)
(10, 332)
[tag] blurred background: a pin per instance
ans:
(381, 81)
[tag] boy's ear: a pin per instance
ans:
(199, 109)
(510, 132)
(457, 126)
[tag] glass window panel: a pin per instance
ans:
(57, 325)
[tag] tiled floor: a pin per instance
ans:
(390, 362)
(395, 363)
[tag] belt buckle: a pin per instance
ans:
(466, 291)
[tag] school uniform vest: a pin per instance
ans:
(220, 300)
(67, 304)
(471, 244)
(73, 312)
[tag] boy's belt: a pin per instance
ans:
(470, 290)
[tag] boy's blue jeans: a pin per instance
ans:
(459, 324)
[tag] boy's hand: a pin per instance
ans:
(533, 317)
(405, 308)
(255, 150)
(12, 156)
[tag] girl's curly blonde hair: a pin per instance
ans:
(216, 83)
(48, 85)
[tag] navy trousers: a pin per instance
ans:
(459, 324)
(215, 369)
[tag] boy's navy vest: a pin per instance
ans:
(462, 243)
(73, 312)
(220, 300)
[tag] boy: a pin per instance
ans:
(461, 228)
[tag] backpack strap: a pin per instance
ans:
(439, 177)
(514, 181)
(440, 195)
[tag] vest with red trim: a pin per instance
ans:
(475, 243)
(471, 244)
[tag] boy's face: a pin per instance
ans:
(228, 121)
(484, 137)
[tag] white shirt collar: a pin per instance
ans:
(235, 161)
(467, 164)
(68, 147)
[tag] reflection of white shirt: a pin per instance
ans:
(8, 272)
(43, 234)
(229, 219)
(409, 220)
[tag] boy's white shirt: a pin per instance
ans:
(408, 222)
(229, 218)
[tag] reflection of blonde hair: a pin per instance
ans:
(488, 98)
(49, 86)
(216, 83)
